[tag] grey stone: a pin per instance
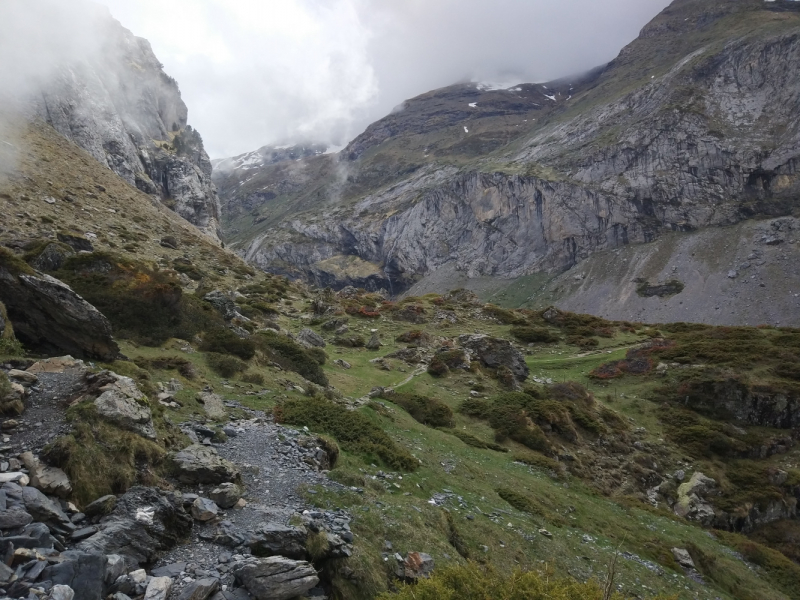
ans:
(213, 405)
(170, 570)
(226, 494)
(127, 407)
(200, 589)
(14, 518)
(61, 592)
(495, 352)
(158, 588)
(683, 558)
(52, 257)
(274, 539)
(49, 480)
(414, 566)
(42, 509)
(101, 507)
(276, 578)
(82, 572)
(201, 464)
(310, 338)
(204, 509)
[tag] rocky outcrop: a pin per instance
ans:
(123, 404)
(118, 104)
(495, 352)
(50, 317)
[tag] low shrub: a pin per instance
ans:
(354, 432)
(521, 502)
(415, 337)
(224, 364)
(167, 363)
(290, 356)
(253, 377)
(475, 407)
(225, 341)
(533, 335)
(582, 342)
(503, 315)
(318, 354)
(475, 442)
(425, 410)
(437, 368)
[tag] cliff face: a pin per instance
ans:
(120, 106)
(695, 125)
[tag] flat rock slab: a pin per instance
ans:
(202, 464)
(276, 578)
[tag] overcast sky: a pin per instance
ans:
(257, 72)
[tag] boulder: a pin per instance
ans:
(123, 404)
(683, 558)
(204, 509)
(223, 303)
(101, 507)
(76, 241)
(691, 503)
(14, 518)
(273, 539)
(227, 494)
(202, 464)
(310, 338)
(144, 522)
(82, 572)
(374, 342)
(215, 408)
(24, 378)
(200, 589)
(414, 566)
(276, 577)
(158, 588)
(52, 257)
(495, 352)
(45, 510)
(49, 480)
(61, 592)
(49, 317)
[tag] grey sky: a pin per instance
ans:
(257, 72)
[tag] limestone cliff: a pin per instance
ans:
(695, 125)
(120, 106)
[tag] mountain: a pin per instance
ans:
(118, 104)
(690, 131)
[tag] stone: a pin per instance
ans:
(201, 464)
(44, 510)
(115, 568)
(213, 405)
(83, 533)
(691, 502)
(14, 518)
(14, 477)
(414, 566)
(374, 342)
(49, 480)
(227, 494)
(310, 338)
(23, 377)
(223, 303)
(200, 589)
(75, 241)
(101, 507)
(170, 570)
(61, 592)
(683, 558)
(170, 241)
(127, 407)
(49, 317)
(145, 522)
(52, 257)
(83, 573)
(158, 588)
(276, 578)
(273, 539)
(204, 509)
(342, 363)
(495, 352)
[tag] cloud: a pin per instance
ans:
(255, 72)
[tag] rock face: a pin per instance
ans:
(50, 317)
(276, 578)
(201, 464)
(119, 105)
(666, 138)
(495, 352)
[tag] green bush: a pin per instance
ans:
(318, 354)
(353, 431)
(225, 341)
(437, 367)
(425, 410)
(533, 335)
(471, 440)
(224, 364)
(253, 377)
(475, 407)
(505, 316)
(291, 356)
(167, 363)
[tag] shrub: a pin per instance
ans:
(224, 341)
(425, 410)
(438, 368)
(167, 363)
(318, 354)
(253, 377)
(354, 431)
(475, 407)
(585, 343)
(224, 364)
(290, 356)
(471, 440)
(521, 502)
(505, 316)
(414, 337)
(533, 335)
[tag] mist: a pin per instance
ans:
(276, 72)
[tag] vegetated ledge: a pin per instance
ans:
(662, 290)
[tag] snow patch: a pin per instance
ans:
(465, 129)
(553, 98)
(473, 104)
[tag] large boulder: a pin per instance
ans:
(48, 316)
(144, 522)
(82, 572)
(123, 404)
(276, 577)
(273, 539)
(414, 566)
(495, 352)
(201, 464)
(692, 502)
(310, 338)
